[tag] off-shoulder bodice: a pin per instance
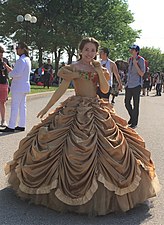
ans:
(85, 82)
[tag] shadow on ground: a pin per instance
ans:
(14, 211)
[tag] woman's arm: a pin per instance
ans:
(116, 74)
(9, 69)
(68, 72)
(18, 69)
(106, 73)
(104, 86)
(55, 97)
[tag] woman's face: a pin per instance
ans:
(19, 50)
(88, 52)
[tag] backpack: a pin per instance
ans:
(146, 62)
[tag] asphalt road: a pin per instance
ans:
(13, 211)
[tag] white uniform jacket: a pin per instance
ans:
(21, 75)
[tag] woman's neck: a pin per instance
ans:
(85, 63)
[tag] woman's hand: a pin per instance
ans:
(120, 87)
(7, 67)
(42, 113)
(96, 63)
(5, 64)
(103, 83)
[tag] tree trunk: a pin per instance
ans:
(71, 53)
(40, 56)
(57, 54)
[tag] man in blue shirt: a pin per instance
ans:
(136, 71)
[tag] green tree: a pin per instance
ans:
(154, 57)
(62, 23)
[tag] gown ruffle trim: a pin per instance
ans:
(97, 149)
(88, 196)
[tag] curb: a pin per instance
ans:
(41, 94)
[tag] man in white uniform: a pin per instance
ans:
(112, 69)
(20, 86)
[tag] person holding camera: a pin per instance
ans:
(3, 87)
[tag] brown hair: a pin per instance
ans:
(24, 46)
(1, 49)
(105, 50)
(86, 40)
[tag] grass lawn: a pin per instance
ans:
(38, 89)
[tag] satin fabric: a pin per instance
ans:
(83, 158)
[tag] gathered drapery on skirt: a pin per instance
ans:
(84, 158)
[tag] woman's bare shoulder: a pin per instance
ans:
(72, 67)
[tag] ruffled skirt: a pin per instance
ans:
(83, 158)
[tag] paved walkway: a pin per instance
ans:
(13, 211)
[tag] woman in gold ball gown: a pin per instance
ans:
(83, 157)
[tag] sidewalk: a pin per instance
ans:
(13, 211)
(41, 94)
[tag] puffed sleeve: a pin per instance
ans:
(68, 73)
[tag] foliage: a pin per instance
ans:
(155, 59)
(61, 24)
(39, 89)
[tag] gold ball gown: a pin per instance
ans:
(83, 158)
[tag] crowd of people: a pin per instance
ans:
(43, 75)
(133, 76)
(82, 157)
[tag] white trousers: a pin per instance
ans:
(18, 106)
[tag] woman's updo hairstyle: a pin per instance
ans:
(86, 40)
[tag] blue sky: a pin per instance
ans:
(149, 17)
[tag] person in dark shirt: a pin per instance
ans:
(48, 70)
(3, 87)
